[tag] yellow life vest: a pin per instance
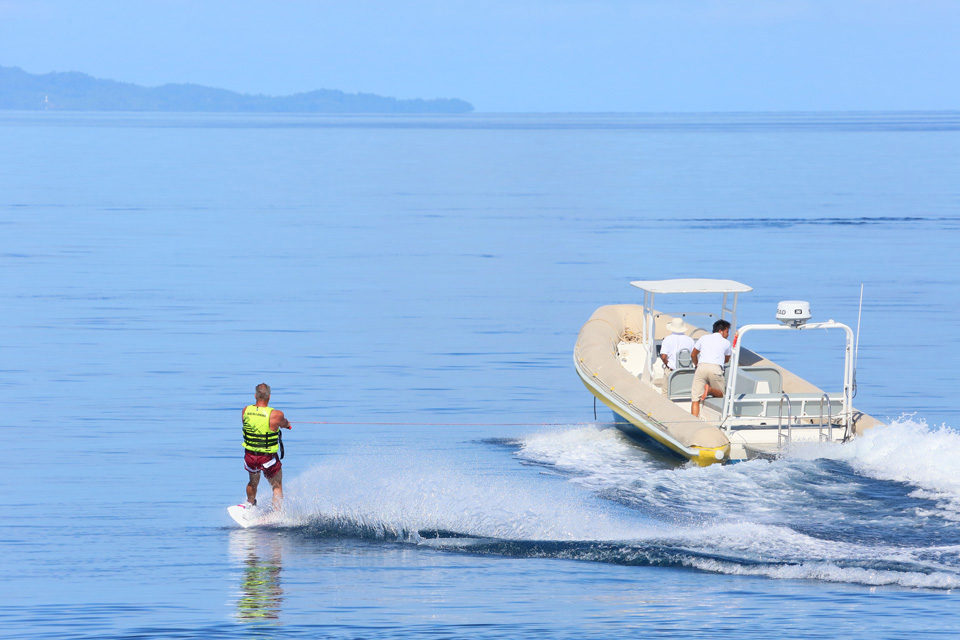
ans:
(257, 436)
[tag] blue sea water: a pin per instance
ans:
(411, 288)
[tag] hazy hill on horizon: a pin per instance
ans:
(75, 91)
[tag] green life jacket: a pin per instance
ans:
(257, 436)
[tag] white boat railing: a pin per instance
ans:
(780, 437)
(728, 417)
(824, 424)
(829, 422)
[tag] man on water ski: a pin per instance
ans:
(261, 442)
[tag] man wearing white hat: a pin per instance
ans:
(673, 344)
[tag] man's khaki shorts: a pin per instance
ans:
(711, 374)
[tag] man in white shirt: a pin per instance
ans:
(709, 354)
(673, 344)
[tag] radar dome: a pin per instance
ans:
(793, 312)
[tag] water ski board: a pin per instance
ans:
(247, 516)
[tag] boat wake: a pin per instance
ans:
(882, 510)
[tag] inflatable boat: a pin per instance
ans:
(764, 408)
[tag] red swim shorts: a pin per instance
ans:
(269, 463)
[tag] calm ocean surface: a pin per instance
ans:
(411, 288)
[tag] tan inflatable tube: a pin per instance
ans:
(595, 356)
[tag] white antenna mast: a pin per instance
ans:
(856, 347)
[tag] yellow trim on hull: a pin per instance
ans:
(703, 456)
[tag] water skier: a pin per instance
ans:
(261, 443)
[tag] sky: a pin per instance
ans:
(515, 55)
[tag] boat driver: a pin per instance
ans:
(709, 355)
(674, 343)
(261, 443)
(671, 346)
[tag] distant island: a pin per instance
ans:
(75, 91)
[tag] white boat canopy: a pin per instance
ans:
(650, 288)
(692, 285)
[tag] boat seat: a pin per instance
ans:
(678, 384)
(750, 380)
(684, 359)
(758, 380)
(752, 385)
